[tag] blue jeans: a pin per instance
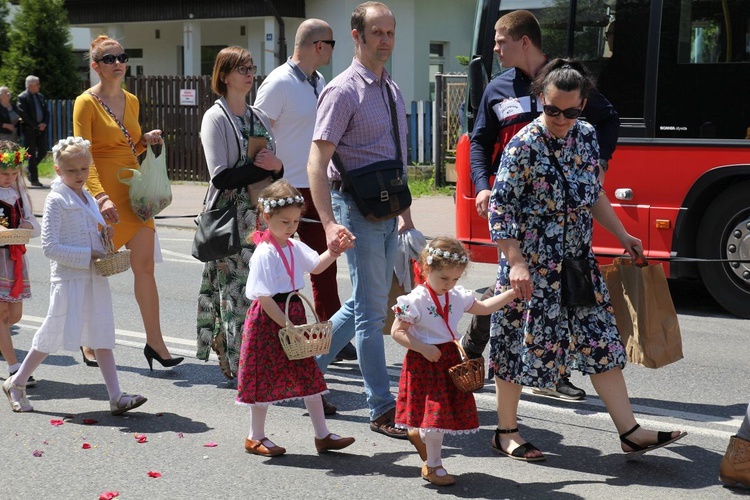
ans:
(362, 317)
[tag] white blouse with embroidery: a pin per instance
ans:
(418, 309)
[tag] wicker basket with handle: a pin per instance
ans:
(113, 262)
(15, 236)
(304, 341)
(469, 375)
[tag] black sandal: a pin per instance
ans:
(520, 452)
(662, 439)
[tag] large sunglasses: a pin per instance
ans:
(110, 59)
(569, 113)
(244, 70)
(332, 43)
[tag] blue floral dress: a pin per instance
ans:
(533, 342)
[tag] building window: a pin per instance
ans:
(208, 56)
(437, 63)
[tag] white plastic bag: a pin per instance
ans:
(150, 190)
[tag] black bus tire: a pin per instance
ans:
(725, 223)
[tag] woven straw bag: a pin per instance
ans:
(113, 262)
(304, 341)
(15, 236)
(469, 375)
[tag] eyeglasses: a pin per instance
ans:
(244, 70)
(110, 58)
(569, 113)
(332, 43)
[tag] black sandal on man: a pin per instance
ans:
(520, 452)
(663, 438)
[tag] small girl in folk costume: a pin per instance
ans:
(15, 213)
(80, 308)
(429, 404)
(266, 375)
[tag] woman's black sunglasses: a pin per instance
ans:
(569, 113)
(110, 59)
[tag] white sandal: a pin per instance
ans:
(22, 405)
(118, 407)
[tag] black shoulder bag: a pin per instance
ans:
(379, 189)
(577, 286)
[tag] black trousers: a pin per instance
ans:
(36, 143)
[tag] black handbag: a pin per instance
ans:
(576, 283)
(217, 235)
(380, 190)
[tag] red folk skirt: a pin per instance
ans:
(428, 398)
(266, 375)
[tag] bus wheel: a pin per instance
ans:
(725, 234)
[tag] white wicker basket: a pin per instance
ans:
(304, 341)
(15, 236)
(113, 262)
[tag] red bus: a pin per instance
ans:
(678, 74)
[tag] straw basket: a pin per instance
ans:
(15, 236)
(469, 375)
(303, 341)
(113, 262)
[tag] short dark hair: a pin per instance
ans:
(227, 59)
(360, 12)
(521, 23)
(565, 74)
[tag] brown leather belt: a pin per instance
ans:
(337, 185)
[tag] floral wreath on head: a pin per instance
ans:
(269, 203)
(69, 141)
(13, 160)
(445, 255)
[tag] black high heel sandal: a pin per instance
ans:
(89, 362)
(152, 355)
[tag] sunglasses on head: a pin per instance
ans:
(569, 113)
(110, 58)
(244, 70)
(332, 43)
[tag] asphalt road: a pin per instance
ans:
(191, 409)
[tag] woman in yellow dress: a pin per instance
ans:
(107, 116)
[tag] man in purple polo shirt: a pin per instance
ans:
(354, 120)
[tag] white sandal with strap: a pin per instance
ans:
(119, 407)
(22, 405)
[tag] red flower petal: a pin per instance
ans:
(89, 421)
(141, 438)
(109, 495)
(210, 444)
(56, 423)
(86, 446)
(38, 453)
(153, 473)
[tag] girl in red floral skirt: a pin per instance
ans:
(266, 375)
(429, 403)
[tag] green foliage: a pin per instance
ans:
(40, 45)
(46, 168)
(4, 10)
(463, 60)
(422, 182)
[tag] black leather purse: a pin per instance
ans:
(217, 235)
(577, 285)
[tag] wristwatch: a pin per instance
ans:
(604, 165)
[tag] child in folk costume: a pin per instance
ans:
(80, 309)
(15, 213)
(266, 375)
(429, 403)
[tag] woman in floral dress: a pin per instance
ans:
(225, 131)
(535, 339)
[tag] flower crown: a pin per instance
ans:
(69, 141)
(269, 203)
(445, 255)
(13, 160)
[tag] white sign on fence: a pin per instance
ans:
(187, 97)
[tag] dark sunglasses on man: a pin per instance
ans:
(332, 43)
(110, 58)
(569, 113)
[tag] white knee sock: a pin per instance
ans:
(14, 368)
(32, 361)
(314, 405)
(433, 440)
(744, 431)
(108, 367)
(258, 422)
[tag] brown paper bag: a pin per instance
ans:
(394, 293)
(254, 145)
(645, 314)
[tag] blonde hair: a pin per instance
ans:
(71, 148)
(443, 252)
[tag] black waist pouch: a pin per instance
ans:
(577, 284)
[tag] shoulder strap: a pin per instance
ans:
(394, 120)
(566, 187)
(117, 120)
(237, 133)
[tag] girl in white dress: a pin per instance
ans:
(429, 404)
(80, 309)
(15, 213)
